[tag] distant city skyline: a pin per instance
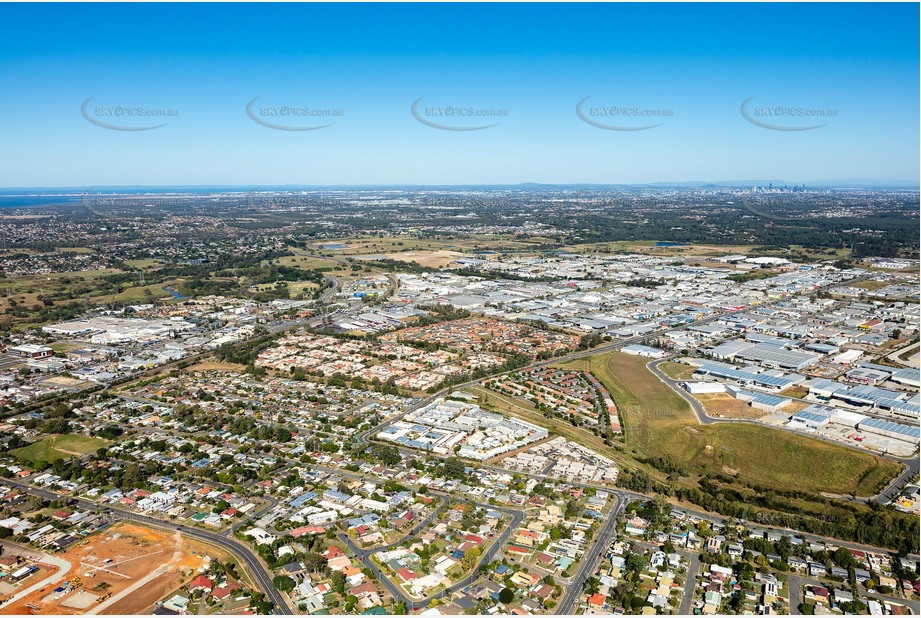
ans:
(480, 94)
(776, 185)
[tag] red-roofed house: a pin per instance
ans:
(201, 583)
(334, 551)
(302, 530)
(222, 592)
(406, 575)
(596, 600)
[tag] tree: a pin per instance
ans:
(283, 583)
(338, 581)
(635, 563)
(453, 468)
(844, 558)
(471, 556)
(506, 596)
(591, 585)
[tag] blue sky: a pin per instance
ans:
(533, 61)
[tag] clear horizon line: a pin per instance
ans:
(678, 183)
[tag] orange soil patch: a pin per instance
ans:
(495, 461)
(215, 366)
(134, 552)
(435, 259)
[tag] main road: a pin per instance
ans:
(253, 564)
(592, 558)
(412, 604)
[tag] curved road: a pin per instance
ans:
(255, 567)
(911, 465)
(364, 555)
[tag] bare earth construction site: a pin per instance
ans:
(125, 569)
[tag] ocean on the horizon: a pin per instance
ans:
(30, 201)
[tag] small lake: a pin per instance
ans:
(174, 292)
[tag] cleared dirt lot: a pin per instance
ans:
(435, 259)
(124, 570)
(216, 366)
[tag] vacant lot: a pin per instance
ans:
(649, 246)
(870, 284)
(677, 371)
(658, 422)
(143, 264)
(60, 447)
(306, 261)
(65, 382)
(396, 244)
(797, 392)
(434, 259)
(727, 406)
(216, 366)
(124, 570)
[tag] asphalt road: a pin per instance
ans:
(911, 464)
(690, 583)
(702, 417)
(254, 566)
(796, 583)
(894, 488)
(592, 558)
(416, 529)
(574, 590)
(794, 594)
(412, 605)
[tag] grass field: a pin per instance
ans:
(649, 246)
(306, 262)
(393, 244)
(74, 250)
(297, 288)
(215, 366)
(677, 371)
(658, 422)
(434, 259)
(870, 285)
(63, 346)
(137, 294)
(797, 392)
(60, 447)
(143, 264)
(722, 405)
